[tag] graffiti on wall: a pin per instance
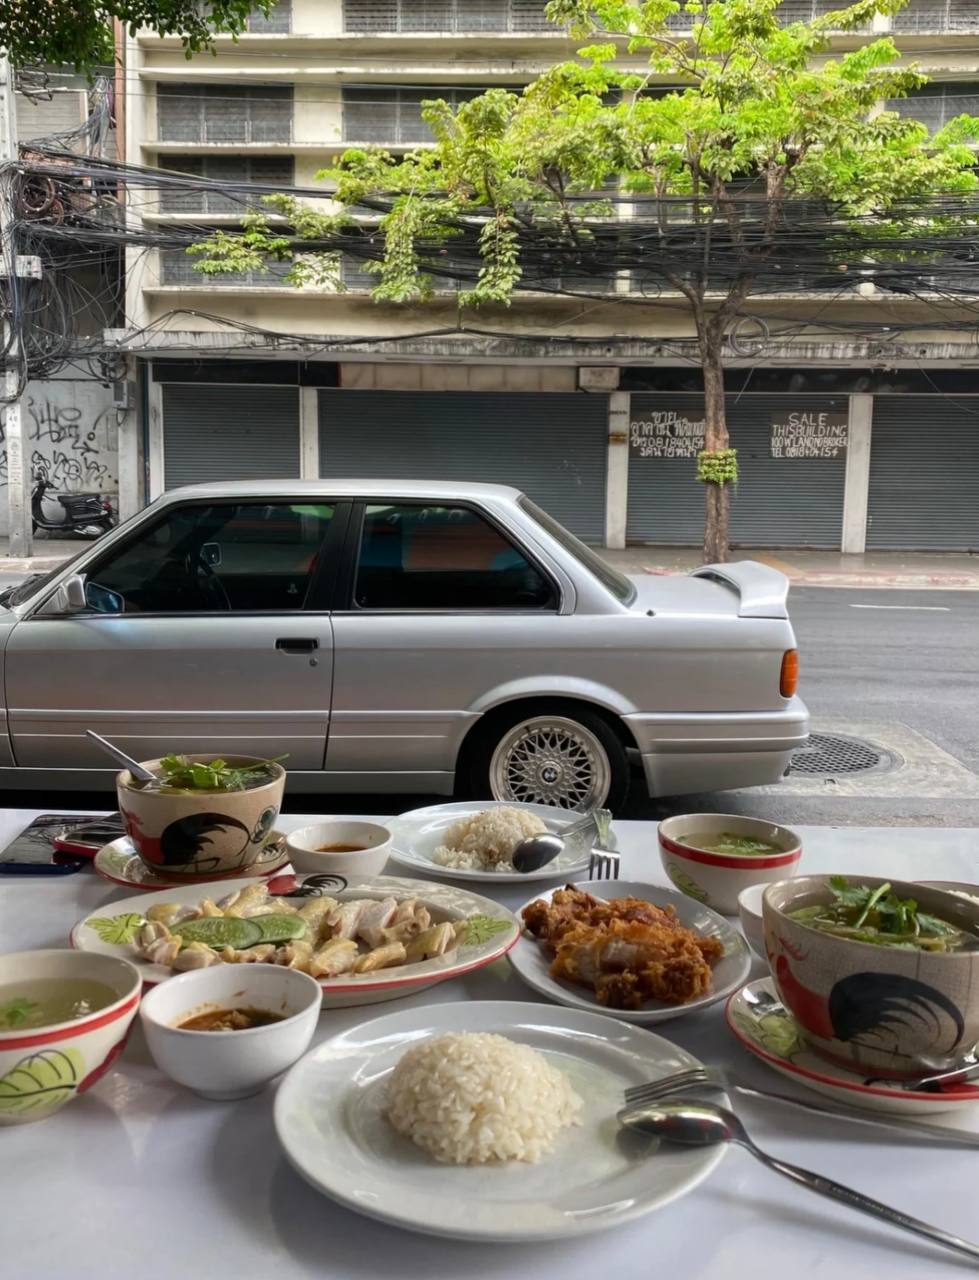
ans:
(71, 431)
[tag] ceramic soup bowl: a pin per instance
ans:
(44, 1065)
(882, 1011)
(200, 834)
(716, 879)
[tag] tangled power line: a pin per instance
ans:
(91, 220)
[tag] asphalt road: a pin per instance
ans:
(898, 667)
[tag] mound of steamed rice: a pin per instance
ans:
(479, 1098)
(486, 841)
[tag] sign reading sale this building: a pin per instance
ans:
(809, 435)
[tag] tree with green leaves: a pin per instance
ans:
(78, 33)
(684, 121)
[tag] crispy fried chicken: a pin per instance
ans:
(627, 950)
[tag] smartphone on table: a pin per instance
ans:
(57, 844)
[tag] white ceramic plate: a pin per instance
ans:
(532, 962)
(120, 863)
(766, 1028)
(416, 835)
(110, 930)
(329, 1118)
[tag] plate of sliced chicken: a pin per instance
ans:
(638, 951)
(365, 942)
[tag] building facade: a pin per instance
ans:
(850, 441)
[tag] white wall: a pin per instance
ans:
(71, 427)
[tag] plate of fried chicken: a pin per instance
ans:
(639, 951)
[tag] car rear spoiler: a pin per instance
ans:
(763, 591)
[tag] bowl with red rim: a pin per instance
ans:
(47, 1058)
(713, 857)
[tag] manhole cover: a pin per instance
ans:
(834, 753)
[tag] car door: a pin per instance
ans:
(196, 637)
(442, 607)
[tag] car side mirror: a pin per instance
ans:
(69, 598)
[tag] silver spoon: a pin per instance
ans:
(700, 1124)
(120, 757)
(537, 851)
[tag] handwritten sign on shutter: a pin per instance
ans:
(666, 433)
(809, 434)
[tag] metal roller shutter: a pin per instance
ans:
(229, 433)
(551, 446)
(924, 474)
(778, 502)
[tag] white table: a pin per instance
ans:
(143, 1180)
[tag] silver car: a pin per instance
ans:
(396, 636)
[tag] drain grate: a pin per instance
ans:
(832, 753)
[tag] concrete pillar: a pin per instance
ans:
(309, 433)
(856, 487)
(617, 477)
(154, 440)
(129, 422)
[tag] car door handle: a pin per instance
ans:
(297, 644)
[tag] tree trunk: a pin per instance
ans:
(717, 496)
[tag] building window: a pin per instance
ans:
(446, 15)
(373, 113)
(936, 104)
(278, 22)
(223, 113)
(178, 267)
(275, 172)
(790, 11)
(937, 15)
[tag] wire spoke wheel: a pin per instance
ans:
(551, 760)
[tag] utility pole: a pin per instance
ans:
(18, 463)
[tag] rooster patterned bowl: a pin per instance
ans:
(45, 1063)
(200, 834)
(880, 1010)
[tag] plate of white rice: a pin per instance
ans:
(485, 1121)
(473, 840)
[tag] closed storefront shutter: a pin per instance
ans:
(924, 474)
(229, 433)
(553, 447)
(779, 501)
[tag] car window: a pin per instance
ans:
(216, 557)
(446, 558)
(610, 578)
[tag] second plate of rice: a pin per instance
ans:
(473, 840)
(484, 1121)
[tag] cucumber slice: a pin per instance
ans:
(219, 932)
(279, 928)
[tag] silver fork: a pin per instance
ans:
(603, 865)
(713, 1078)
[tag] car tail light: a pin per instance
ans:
(789, 679)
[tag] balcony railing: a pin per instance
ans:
(922, 17)
(231, 174)
(178, 267)
(465, 17)
(393, 117)
(278, 22)
(936, 104)
(223, 113)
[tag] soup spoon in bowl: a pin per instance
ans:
(701, 1124)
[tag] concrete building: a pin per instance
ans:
(853, 440)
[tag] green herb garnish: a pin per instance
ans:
(215, 775)
(16, 1012)
(880, 917)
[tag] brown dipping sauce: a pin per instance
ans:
(230, 1020)
(340, 848)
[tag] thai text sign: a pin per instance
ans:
(666, 433)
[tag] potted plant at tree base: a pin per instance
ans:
(204, 817)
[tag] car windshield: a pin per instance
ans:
(610, 578)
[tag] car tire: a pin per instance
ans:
(565, 756)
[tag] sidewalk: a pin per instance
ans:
(910, 570)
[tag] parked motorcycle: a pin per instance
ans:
(69, 515)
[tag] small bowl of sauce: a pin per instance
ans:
(340, 846)
(230, 1020)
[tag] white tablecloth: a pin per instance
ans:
(143, 1180)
